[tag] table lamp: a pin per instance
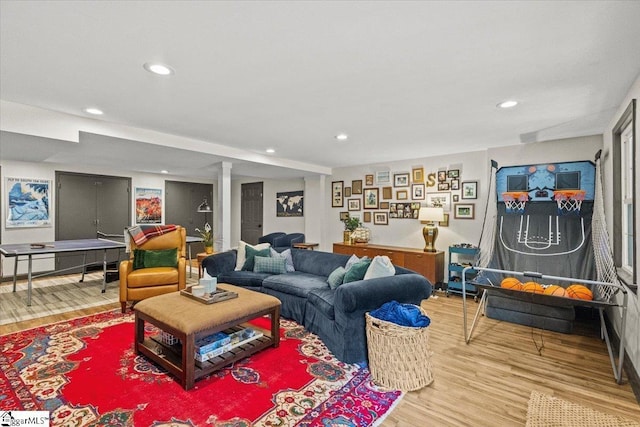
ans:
(430, 215)
(205, 208)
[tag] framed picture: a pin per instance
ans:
(417, 191)
(148, 205)
(443, 186)
(470, 189)
(383, 177)
(401, 180)
(353, 204)
(370, 198)
(347, 191)
(344, 215)
(337, 194)
(366, 217)
(402, 194)
(456, 198)
(453, 173)
(380, 218)
(417, 175)
(290, 203)
(440, 199)
(445, 221)
(455, 184)
(356, 187)
(387, 193)
(28, 203)
(368, 179)
(384, 205)
(442, 176)
(464, 211)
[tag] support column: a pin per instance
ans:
(224, 205)
(314, 210)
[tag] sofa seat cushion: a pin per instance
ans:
(152, 276)
(296, 283)
(322, 300)
(243, 278)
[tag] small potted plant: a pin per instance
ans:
(207, 237)
(350, 224)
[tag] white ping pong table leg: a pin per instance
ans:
(29, 282)
(104, 272)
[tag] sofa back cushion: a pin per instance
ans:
(317, 262)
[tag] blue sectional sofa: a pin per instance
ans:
(337, 315)
(282, 241)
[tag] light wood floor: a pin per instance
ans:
(488, 382)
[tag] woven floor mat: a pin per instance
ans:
(549, 411)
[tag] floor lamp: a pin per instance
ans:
(429, 216)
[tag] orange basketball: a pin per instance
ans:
(555, 290)
(580, 292)
(511, 283)
(534, 287)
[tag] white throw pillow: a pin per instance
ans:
(381, 266)
(354, 259)
(242, 252)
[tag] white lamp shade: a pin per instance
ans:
(431, 214)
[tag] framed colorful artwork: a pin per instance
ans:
(470, 190)
(464, 211)
(383, 177)
(337, 194)
(370, 197)
(453, 173)
(442, 176)
(353, 204)
(380, 218)
(28, 202)
(417, 191)
(387, 193)
(401, 180)
(441, 199)
(417, 175)
(356, 186)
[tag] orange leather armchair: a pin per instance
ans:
(136, 285)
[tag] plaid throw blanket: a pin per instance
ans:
(142, 233)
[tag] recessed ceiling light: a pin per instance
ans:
(94, 111)
(270, 150)
(507, 104)
(342, 137)
(164, 171)
(160, 69)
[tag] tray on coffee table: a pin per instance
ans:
(209, 298)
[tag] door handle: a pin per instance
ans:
(259, 225)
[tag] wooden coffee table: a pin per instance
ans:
(189, 320)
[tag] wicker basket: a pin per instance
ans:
(399, 356)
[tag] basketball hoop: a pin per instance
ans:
(515, 201)
(569, 201)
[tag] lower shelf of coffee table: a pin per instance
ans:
(170, 356)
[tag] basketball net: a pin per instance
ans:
(601, 249)
(569, 201)
(489, 226)
(515, 202)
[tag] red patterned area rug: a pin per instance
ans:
(85, 372)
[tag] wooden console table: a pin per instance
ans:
(428, 264)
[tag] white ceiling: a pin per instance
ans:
(403, 79)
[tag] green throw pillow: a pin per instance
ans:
(138, 258)
(336, 277)
(267, 264)
(357, 271)
(250, 257)
(161, 258)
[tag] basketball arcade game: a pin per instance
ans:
(549, 218)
